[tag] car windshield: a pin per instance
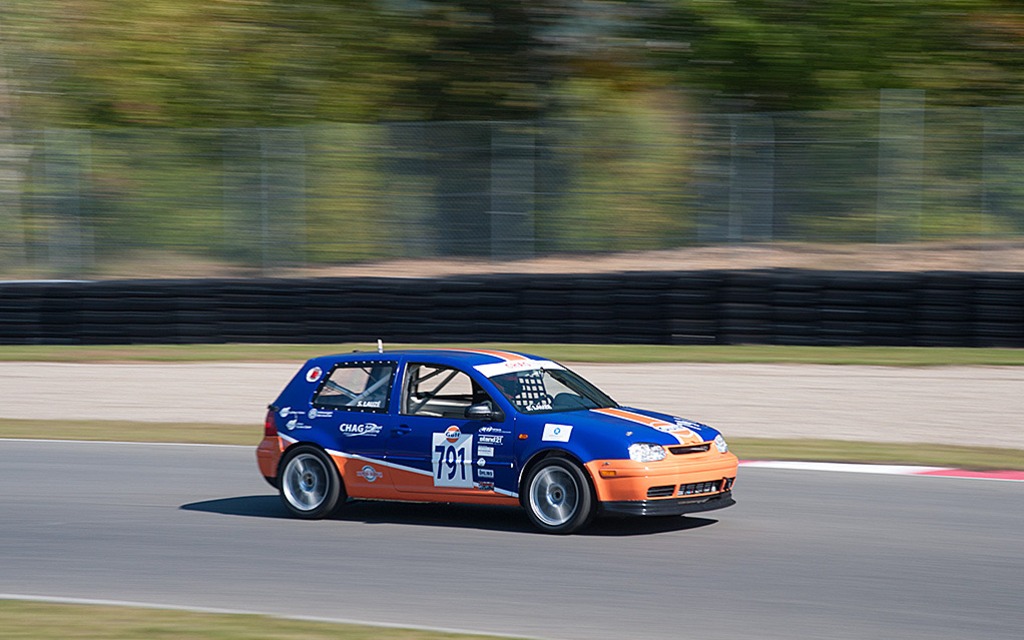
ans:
(550, 391)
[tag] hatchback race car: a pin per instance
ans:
(483, 427)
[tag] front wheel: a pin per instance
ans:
(558, 498)
(309, 483)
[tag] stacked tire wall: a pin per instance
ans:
(697, 307)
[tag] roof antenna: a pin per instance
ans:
(380, 346)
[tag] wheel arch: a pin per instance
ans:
(307, 443)
(545, 454)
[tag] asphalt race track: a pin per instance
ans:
(802, 555)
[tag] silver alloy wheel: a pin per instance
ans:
(306, 482)
(554, 496)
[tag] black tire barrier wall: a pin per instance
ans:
(695, 307)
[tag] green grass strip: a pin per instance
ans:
(44, 621)
(880, 356)
(931, 455)
(938, 455)
(127, 431)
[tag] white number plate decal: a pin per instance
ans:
(453, 459)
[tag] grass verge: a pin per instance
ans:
(127, 431)
(880, 356)
(938, 455)
(932, 455)
(46, 621)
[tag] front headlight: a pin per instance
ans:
(645, 452)
(720, 444)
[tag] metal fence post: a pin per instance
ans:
(512, 189)
(751, 178)
(63, 151)
(900, 165)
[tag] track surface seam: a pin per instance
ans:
(20, 597)
(789, 465)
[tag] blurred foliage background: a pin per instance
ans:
(271, 133)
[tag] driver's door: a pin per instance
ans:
(438, 449)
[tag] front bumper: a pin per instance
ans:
(669, 506)
(676, 485)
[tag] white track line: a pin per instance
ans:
(886, 469)
(842, 467)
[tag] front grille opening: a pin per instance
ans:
(661, 492)
(697, 488)
(727, 483)
(694, 448)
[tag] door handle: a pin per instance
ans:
(401, 430)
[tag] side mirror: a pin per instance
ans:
(483, 411)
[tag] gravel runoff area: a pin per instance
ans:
(979, 406)
(1000, 254)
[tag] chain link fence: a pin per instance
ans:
(82, 203)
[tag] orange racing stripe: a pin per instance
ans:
(683, 434)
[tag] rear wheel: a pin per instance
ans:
(558, 498)
(309, 483)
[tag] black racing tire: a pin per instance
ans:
(310, 486)
(557, 496)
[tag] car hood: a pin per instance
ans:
(638, 425)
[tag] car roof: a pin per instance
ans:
(448, 356)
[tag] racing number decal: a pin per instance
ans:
(453, 459)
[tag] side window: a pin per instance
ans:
(435, 390)
(357, 386)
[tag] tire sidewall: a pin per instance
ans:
(334, 492)
(585, 505)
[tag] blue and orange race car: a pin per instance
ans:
(483, 427)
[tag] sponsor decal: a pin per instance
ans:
(480, 462)
(689, 424)
(509, 366)
(286, 412)
(294, 424)
(491, 429)
(315, 413)
(452, 458)
(557, 432)
(485, 473)
(683, 433)
(487, 439)
(369, 474)
(314, 374)
(483, 450)
(359, 429)
(484, 486)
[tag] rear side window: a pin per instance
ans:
(357, 386)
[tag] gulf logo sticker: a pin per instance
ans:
(557, 432)
(452, 434)
(314, 374)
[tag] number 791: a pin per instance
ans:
(453, 459)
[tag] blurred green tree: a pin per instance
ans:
(764, 55)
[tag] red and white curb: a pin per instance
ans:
(884, 469)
